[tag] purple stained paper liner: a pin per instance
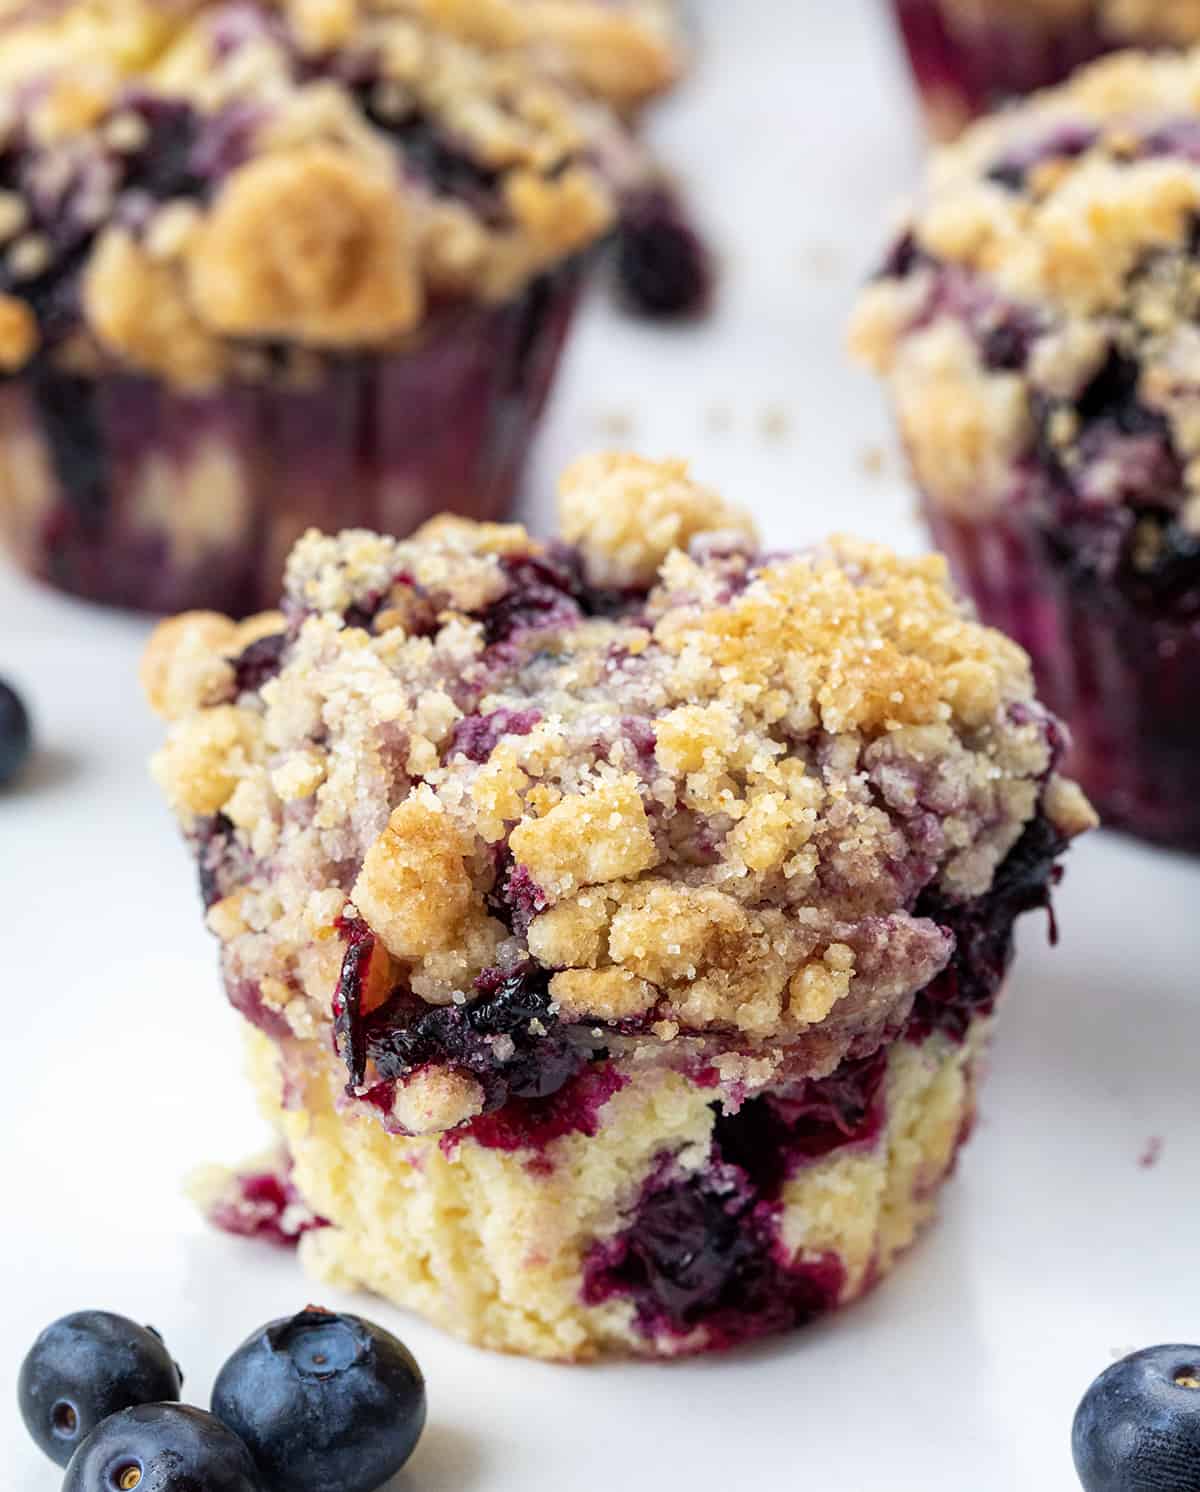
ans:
(125, 491)
(1124, 677)
(964, 67)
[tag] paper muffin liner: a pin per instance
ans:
(1123, 677)
(126, 491)
(966, 66)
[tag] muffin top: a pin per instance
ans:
(1037, 316)
(199, 190)
(689, 791)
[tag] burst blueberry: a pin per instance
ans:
(16, 733)
(162, 1448)
(323, 1401)
(85, 1367)
(663, 266)
(1137, 1429)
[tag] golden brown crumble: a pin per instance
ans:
(306, 244)
(587, 839)
(1143, 21)
(720, 800)
(627, 514)
(19, 336)
(1072, 220)
(136, 308)
(625, 52)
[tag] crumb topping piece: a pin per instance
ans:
(627, 514)
(702, 807)
(625, 52)
(307, 244)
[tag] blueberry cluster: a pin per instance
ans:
(306, 1403)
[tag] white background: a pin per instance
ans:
(1056, 1248)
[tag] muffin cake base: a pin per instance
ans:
(128, 492)
(629, 1213)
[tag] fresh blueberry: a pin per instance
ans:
(664, 268)
(162, 1448)
(16, 733)
(86, 1367)
(323, 1401)
(1137, 1429)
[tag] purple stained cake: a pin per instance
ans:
(968, 56)
(268, 265)
(1036, 326)
(618, 921)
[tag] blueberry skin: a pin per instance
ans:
(323, 1401)
(1137, 1429)
(16, 733)
(162, 1448)
(85, 1367)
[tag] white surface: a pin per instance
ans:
(1056, 1248)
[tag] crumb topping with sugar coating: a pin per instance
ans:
(692, 814)
(626, 515)
(209, 179)
(1035, 318)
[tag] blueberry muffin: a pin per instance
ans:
(264, 266)
(1035, 323)
(967, 56)
(617, 921)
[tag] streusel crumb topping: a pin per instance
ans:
(693, 806)
(624, 52)
(205, 180)
(1113, 21)
(1035, 320)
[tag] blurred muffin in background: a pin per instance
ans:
(970, 55)
(624, 53)
(266, 266)
(1036, 325)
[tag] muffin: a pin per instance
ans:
(967, 56)
(1035, 324)
(618, 921)
(270, 266)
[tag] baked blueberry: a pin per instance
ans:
(16, 733)
(664, 268)
(84, 1368)
(162, 1448)
(323, 1401)
(1138, 1425)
